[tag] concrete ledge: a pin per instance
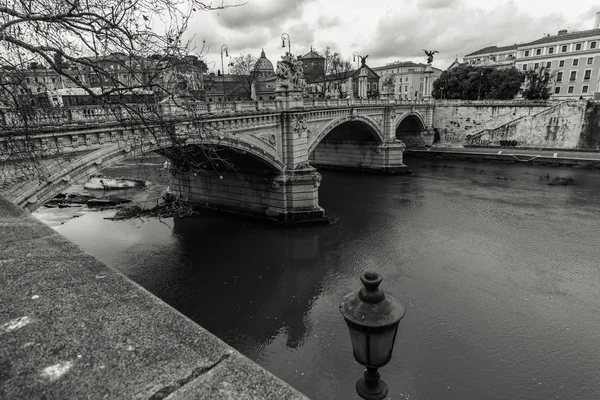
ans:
(507, 157)
(73, 328)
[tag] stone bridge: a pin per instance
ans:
(255, 158)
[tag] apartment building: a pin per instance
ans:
(573, 58)
(403, 80)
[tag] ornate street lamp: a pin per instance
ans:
(224, 47)
(356, 57)
(373, 317)
(479, 91)
(285, 37)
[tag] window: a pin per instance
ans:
(563, 49)
(526, 53)
(548, 64)
(374, 85)
(590, 60)
(578, 46)
(573, 76)
(571, 89)
(587, 75)
(536, 65)
(524, 67)
(406, 80)
(559, 77)
(593, 45)
(575, 62)
(584, 89)
(406, 88)
(538, 52)
(550, 50)
(561, 63)
(557, 90)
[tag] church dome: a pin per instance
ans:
(263, 66)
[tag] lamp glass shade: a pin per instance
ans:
(372, 348)
(372, 317)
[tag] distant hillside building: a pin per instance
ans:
(404, 80)
(574, 57)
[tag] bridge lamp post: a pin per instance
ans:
(226, 49)
(285, 37)
(479, 91)
(372, 317)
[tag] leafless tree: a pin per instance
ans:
(127, 56)
(339, 72)
(242, 72)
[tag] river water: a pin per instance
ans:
(499, 272)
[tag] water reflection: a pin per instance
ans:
(263, 277)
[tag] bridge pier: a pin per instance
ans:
(290, 197)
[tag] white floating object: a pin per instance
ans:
(15, 324)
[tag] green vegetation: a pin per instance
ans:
(467, 82)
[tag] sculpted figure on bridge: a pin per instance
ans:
(290, 74)
(429, 55)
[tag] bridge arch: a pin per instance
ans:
(410, 128)
(60, 177)
(363, 121)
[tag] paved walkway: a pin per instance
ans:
(73, 328)
(550, 157)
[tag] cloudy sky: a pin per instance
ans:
(386, 30)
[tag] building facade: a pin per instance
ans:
(158, 74)
(573, 59)
(404, 80)
(314, 66)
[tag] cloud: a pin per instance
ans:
(327, 22)
(455, 31)
(263, 13)
(432, 4)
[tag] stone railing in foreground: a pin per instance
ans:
(73, 328)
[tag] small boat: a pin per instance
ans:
(102, 182)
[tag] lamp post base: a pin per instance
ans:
(370, 387)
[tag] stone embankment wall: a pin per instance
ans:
(455, 120)
(590, 131)
(545, 125)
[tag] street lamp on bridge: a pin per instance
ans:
(285, 37)
(372, 317)
(226, 49)
(479, 91)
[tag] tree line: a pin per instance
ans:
(469, 82)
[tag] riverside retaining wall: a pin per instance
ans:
(571, 124)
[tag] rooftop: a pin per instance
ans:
(563, 35)
(311, 54)
(493, 49)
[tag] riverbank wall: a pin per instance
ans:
(73, 328)
(543, 125)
